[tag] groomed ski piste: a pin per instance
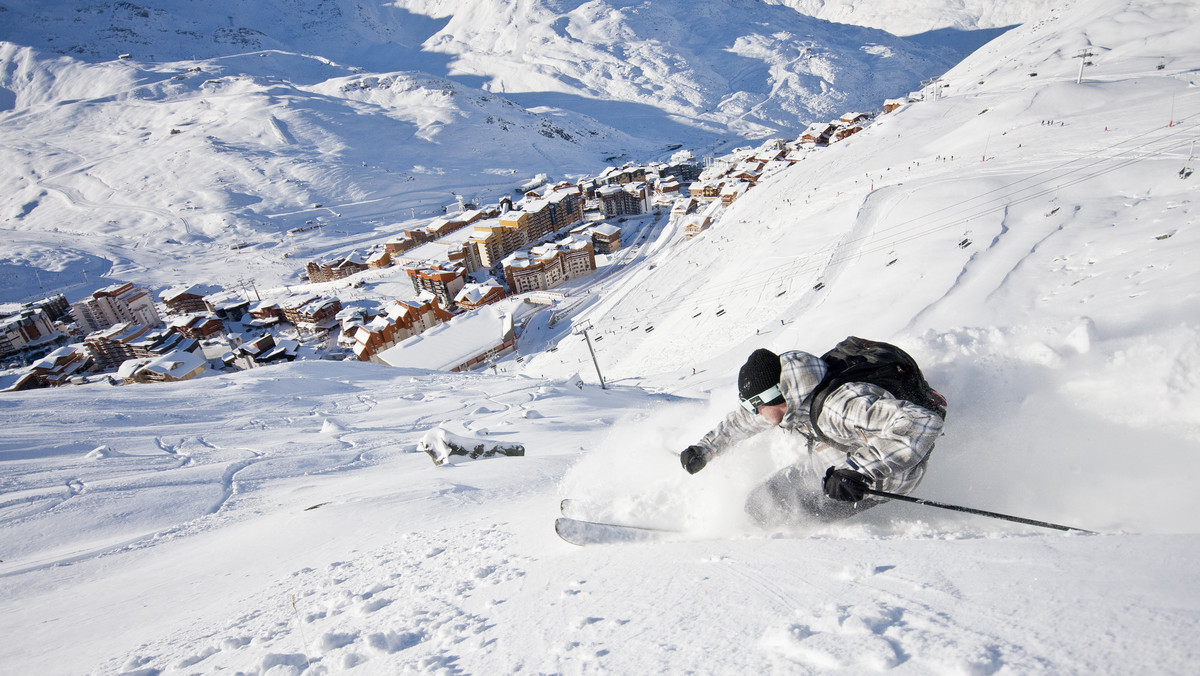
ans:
(284, 520)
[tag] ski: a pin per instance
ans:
(583, 533)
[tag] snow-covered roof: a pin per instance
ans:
(473, 293)
(605, 229)
(457, 341)
(175, 365)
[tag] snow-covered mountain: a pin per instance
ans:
(145, 165)
(227, 126)
(743, 65)
(911, 18)
(1028, 233)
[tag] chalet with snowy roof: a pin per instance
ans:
(465, 342)
(19, 381)
(667, 187)
(683, 206)
(707, 190)
(114, 345)
(284, 350)
(379, 258)
(168, 368)
(227, 307)
(257, 347)
(696, 223)
(855, 118)
(198, 327)
(314, 314)
(158, 342)
(349, 319)
(475, 296)
(184, 300)
(401, 320)
(264, 314)
(817, 134)
(769, 151)
(748, 172)
(733, 190)
(796, 154)
(844, 133)
(336, 268)
(891, 105)
(58, 367)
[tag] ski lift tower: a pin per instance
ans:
(1084, 56)
(584, 330)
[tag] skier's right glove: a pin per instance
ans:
(693, 459)
(846, 484)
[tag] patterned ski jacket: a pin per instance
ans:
(883, 437)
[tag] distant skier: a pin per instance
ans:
(864, 436)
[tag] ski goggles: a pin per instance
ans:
(761, 399)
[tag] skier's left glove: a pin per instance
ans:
(846, 485)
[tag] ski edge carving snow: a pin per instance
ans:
(583, 533)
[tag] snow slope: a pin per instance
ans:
(282, 520)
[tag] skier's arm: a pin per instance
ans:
(889, 437)
(736, 427)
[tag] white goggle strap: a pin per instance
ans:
(761, 398)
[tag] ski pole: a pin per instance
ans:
(970, 510)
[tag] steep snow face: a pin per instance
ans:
(1026, 236)
(1007, 156)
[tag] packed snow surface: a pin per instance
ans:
(1028, 233)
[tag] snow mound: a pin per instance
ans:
(441, 444)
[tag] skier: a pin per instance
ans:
(864, 438)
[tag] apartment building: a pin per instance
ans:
(444, 281)
(113, 305)
(547, 266)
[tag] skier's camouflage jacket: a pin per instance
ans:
(883, 437)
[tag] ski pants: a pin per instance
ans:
(794, 496)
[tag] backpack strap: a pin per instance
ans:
(817, 403)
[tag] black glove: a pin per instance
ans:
(693, 459)
(846, 484)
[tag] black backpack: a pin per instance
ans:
(858, 360)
